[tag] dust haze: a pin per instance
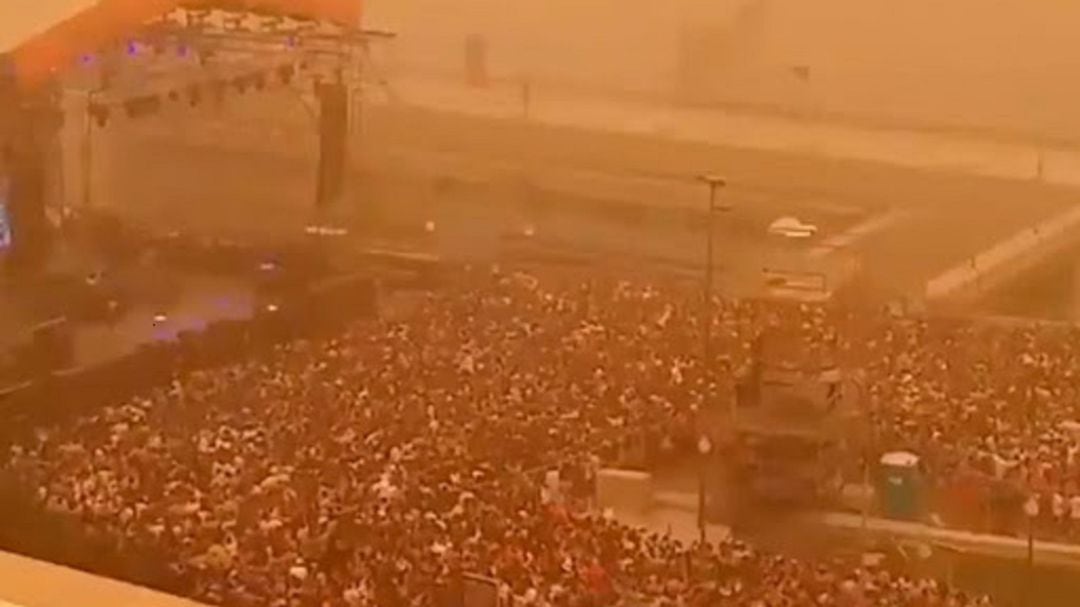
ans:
(568, 302)
(1001, 66)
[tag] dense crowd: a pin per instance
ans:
(991, 409)
(377, 468)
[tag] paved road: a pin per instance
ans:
(480, 177)
(741, 129)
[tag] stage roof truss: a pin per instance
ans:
(48, 55)
(220, 48)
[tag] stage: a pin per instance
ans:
(158, 303)
(104, 293)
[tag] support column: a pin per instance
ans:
(29, 150)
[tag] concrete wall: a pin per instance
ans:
(1006, 66)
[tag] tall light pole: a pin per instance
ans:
(714, 182)
(704, 448)
(1031, 512)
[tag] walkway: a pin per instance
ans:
(680, 507)
(993, 266)
(757, 131)
(962, 541)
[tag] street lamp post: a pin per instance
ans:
(1031, 512)
(704, 444)
(715, 183)
(704, 449)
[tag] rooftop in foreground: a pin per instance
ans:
(32, 583)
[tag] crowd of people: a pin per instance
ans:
(380, 467)
(991, 408)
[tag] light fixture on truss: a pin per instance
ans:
(248, 51)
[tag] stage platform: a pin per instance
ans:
(188, 302)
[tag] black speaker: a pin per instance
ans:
(28, 225)
(37, 124)
(225, 340)
(52, 347)
(333, 130)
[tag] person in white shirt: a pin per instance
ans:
(1074, 515)
(1059, 508)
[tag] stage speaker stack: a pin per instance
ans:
(225, 340)
(155, 362)
(35, 127)
(51, 348)
(191, 350)
(26, 194)
(340, 300)
(333, 131)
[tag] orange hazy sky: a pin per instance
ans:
(20, 19)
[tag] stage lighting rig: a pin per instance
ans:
(248, 31)
(195, 54)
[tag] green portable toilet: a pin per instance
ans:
(899, 485)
